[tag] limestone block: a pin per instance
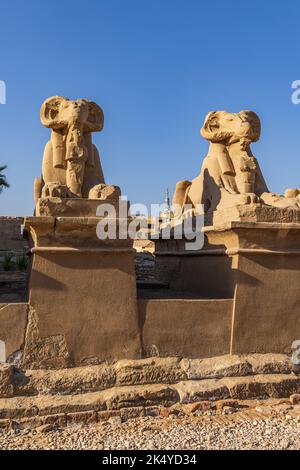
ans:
(65, 381)
(6, 381)
(152, 370)
(211, 389)
(55, 190)
(13, 321)
(262, 386)
(19, 407)
(105, 192)
(253, 213)
(270, 363)
(140, 395)
(220, 366)
(84, 417)
(70, 207)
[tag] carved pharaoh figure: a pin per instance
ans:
(230, 174)
(71, 165)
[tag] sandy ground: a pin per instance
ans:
(260, 425)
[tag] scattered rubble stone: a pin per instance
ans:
(253, 424)
(295, 399)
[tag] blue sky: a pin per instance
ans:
(156, 68)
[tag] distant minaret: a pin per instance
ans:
(166, 215)
(167, 201)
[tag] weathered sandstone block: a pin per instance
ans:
(221, 366)
(6, 381)
(152, 370)
(210, 389)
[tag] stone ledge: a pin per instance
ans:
(262, 386)
(60, 207)
(141, 372)
(111, 399)
(133, 401)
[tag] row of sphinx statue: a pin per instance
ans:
(230, 173)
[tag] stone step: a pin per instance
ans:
(142, 397)
(242, 388)
(154, 370)
(111, 399)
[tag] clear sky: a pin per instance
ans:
(156, 67)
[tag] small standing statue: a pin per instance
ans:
(71, 164)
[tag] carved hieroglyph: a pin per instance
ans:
(230, 174)
(71, 164)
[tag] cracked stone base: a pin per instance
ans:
(132, 388)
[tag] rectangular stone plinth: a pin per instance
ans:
(253, 257)
(266, 314)
(58, 207)
(266, 273)
(74, 232)
(249, 237)
(255, 213)
(82, 303)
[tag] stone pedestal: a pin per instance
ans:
(60, 207)
(265, 259)
(203, 273)
(251, 255)
(82, 304)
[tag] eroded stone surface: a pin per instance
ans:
(151, 397)
(193, 390)
(6, 381)
(262, 386)
(49, 352)
(106, 192)
(19, 407)
(92, 378)
(151, 370)
(270, 363)
(141, 395)
(111, 399)
(221, 366)
(65, 381)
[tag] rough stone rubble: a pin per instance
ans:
(270, 424)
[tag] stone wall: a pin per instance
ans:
(144, 266)
(185, 327)
(11, 238)
(13, 283)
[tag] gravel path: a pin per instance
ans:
(257, 428)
